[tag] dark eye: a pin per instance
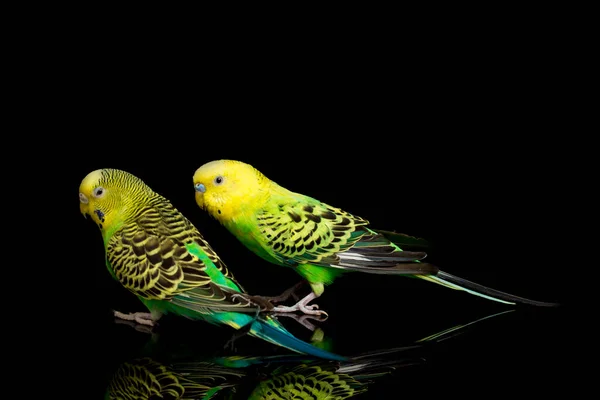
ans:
(98, 192)
(218, 180)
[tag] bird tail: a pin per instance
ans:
(405, 242)
(454, 282)
(273, 332)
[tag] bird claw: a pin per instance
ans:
(312, 309)
(303, 306)
(139, 317)
(237, 296)
(142, 321)
(259, 301)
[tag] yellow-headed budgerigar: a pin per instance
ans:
(319, 241)
(160, 256)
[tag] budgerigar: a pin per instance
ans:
(317, 240)
(160, 256)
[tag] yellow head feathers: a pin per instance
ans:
(106, 194)
(224, 186)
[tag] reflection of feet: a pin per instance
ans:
(291, 292)
(139, 317)
(243, 331)
(138, 327)
(230, 344)
(303, 319)
(302, 305)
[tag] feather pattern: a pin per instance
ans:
(145, 378)
(309, 382)
(299, 230)
(149, 255)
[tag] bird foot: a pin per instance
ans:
(302, 306)
(260, 301)
(310, 310)
(139, 317)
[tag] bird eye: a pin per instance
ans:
(218, 180)
(200, 187)
(98, 192)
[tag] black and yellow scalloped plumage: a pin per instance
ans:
(319, 241)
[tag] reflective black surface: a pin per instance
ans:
(382, 367)
(511, 352)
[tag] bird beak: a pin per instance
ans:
(200, 189)
(200, 199)
(84, 209)
(84, 206)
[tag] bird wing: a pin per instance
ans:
(160, 256)
(305, 231)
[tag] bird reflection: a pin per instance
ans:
(148, 378)
(160, 372)
(260, 377)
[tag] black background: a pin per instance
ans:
(469, 145)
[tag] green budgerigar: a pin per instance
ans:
(160, 256)
(317, 240)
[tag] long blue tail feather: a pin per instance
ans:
(281, 337)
